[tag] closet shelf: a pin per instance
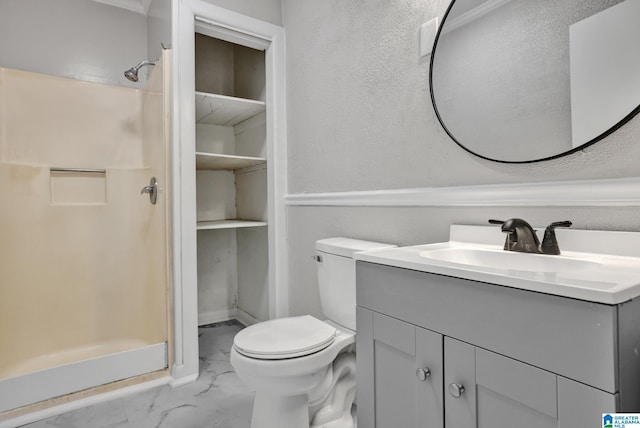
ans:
(229, 224)
(218, 161)
(213, 109)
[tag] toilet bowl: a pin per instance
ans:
(285, 386)
(303, 368)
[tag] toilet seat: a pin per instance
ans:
(284, 338)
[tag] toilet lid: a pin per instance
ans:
(284, 338)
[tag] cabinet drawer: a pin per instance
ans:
(569, 337)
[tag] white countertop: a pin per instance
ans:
(612, 278)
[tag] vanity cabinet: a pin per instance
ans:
(499, 390)
(389, 355)
(497, 356)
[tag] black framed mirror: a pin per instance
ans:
(519, 81)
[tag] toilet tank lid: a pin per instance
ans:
(346, 246)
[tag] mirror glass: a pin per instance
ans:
(522, 81)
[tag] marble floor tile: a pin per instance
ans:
(218, 398)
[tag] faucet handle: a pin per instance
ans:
(565, 223)
(492, 221)
(550, 242)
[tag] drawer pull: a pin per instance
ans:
(456, 389)
(423, 373)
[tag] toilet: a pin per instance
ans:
(303, 368)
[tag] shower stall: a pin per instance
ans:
(84, 271)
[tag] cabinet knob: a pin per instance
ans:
(423, 373)
(456, 389)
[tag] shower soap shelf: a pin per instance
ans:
(214, 109)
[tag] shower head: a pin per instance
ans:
(132, 73)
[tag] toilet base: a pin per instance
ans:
(334, 408)
(272, 411)
(346, 421)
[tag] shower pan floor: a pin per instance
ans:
(217, 399)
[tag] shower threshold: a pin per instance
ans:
(22, 390)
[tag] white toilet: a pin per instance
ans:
(302, 368)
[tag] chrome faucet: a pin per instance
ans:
(522, 237)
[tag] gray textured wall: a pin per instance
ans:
(158, 27)
(360, 118)
(264, 10)
(79, 39)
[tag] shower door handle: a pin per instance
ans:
(152, 190)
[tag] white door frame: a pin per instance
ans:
(251, 32)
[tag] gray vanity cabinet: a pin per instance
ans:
(405, 374)
(499, 390)
(392, 392)
(507, 390)
(495, 356)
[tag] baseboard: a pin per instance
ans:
(216, 316)
(245, 319)
(176, 382)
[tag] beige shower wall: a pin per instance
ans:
(79, 276)
(62, 122)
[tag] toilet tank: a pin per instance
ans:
(337, 277)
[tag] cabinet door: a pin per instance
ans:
(392, 392)
(581, 406)
(487, 390)
(459, 384)
(508, 390)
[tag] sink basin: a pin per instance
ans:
(509, 260)
(597, 266)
